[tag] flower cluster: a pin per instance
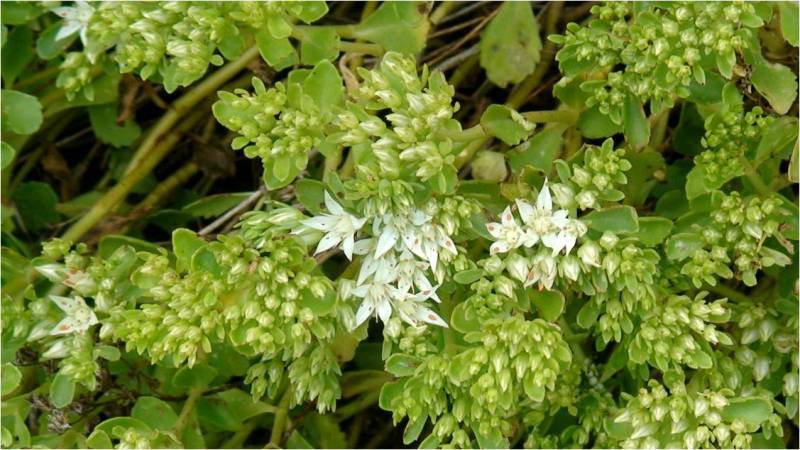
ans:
(393, 274)
(509, 363)
(681, 417)
(673, 332)
(172, 42)
(597, 179)
(729, 134)
(663, 48)
(737, 235)
(279, 130)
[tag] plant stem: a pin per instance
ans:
(238, 438)
(281, 417)
(569, 336)
(186, 412)
(117, 194)
(754, 177)
(728, 292)
(365, 401)
(360, 47)
(187, 102)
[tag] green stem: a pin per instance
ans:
(117, 194)
(238, 438)
(728, 292)
(365, 401)
(40, 76)
(575, 344)
(187, 102)
(754, 177)
(360, 47)
(186, 411)
(441, 11)
(281, 417)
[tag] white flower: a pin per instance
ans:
(76, 18)
(543, 271)
(553, 228)
(53, 272)
(413, 311)
(79, 316)
(418, 233)
(377, 297)
(590, 254)
(340, 227)
(59, 349)
(544, 224)
(507, 233)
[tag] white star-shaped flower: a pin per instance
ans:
(543, 224)
(340, 227)
(413, 311)
(79, 317)
(508, 233)
(76, 18)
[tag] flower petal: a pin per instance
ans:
(386, 241)
(347, 246)
(327, 242)
(544, 201)
(364, 311)
(335, 208)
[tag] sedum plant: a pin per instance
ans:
(342, 227)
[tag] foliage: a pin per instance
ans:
(250, 224)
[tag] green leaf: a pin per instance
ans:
(215, 205)
(780, 134)
(587, 315)
(106, 90)
(510, 45)
(549, 303)
(319, 44)
(21, 113)
(296, 440)
(198, 376)
(312, 10)
(789, 22)
(468, 276)
(10, 377)
(683, 245)
(696, 183)
(390, 392)
(36, 205)
(107, 352)
(595, 125)
(540, 151)
(505, 124)
(184, 244)
(20, 13)
(154, 412)
(16, 54)
(776, 82)
(414, 428)
(104, 124)
(635, 124)
(324, 86)
(278, 53)
(7, 153)
(121, 423)
(396, 26)
(617, 219)
(754, 411)
(653, 230)
(47, 47)
(110, 243)
(324, 431)
(311, 194)
(98, 440)
(402, 365)
(62, 389)
(494, 439)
